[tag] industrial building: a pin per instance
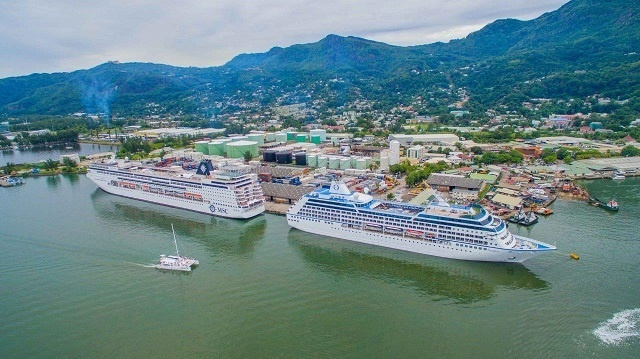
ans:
(447, 183)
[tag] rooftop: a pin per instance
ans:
(439, 179)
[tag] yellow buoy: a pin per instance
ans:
(574, 256)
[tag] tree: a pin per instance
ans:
(9, 168)
(476, 150)
(51, 164)
(248, 156)
(550, 158)
(629, 151)
(68, 162)
(391, 196)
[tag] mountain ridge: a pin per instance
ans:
(504, 55)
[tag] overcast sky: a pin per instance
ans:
(65, 35)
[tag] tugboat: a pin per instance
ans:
(609, 206)
(612, 205)
(525, 219)
(529, 219)
(518, 217)
(177, 263)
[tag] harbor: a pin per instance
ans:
(262, 283)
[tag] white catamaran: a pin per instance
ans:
(178, 263)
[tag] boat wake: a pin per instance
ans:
(142, 265)
(623, 326)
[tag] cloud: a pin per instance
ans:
(64, 35)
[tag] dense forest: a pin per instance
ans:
(585, 48)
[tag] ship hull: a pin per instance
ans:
(181, 203)
(446, 249)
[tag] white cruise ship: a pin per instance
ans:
(227, 192)
(443, 230)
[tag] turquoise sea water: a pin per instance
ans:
(74, 284)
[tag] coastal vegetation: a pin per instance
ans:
(415, 174)
(136, 148)
(60, 136)
(44, 168)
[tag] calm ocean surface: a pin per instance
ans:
(74, 284)
(45, 153)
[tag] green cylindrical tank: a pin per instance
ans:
(335, 141)
(270, 137)
(316, 139)
(319, 132)
(354, 159)
(257, 137)
(312, 160)
(367, 162)
(291, 136)
(361, 164)
(237, 149)
(281, 137)
(334, 163)
(301, 137)
(202, 147)
(345, 163)
(216, 148)
(322, 161)
(238, 138)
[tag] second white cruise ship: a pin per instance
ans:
(440, 229)
(228, 191)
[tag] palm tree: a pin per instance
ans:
(50, 164)
(9, 168)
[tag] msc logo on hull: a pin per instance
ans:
(215, 209)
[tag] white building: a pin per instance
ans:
(416, 152)
(394, 152)
(429, 138)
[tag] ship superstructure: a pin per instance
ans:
(225, 190)
(439, 229)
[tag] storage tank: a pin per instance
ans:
(323, 161)
(270, 137)
(239, 138)
(202, 147)
(281, 137)
(312, 160)
(319, 132)
(316, 139)
(237, 149)
(269, 155)
(334, 163)
(361, 164)
(384, 163)
(284, 157)
(257, 137)
(301, 137)
(301, 158)
(354, 159)
(335, 141)
(368, 161)
(291, 135)
(216, 148)
(345, 163)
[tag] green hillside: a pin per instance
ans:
(584, 48)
